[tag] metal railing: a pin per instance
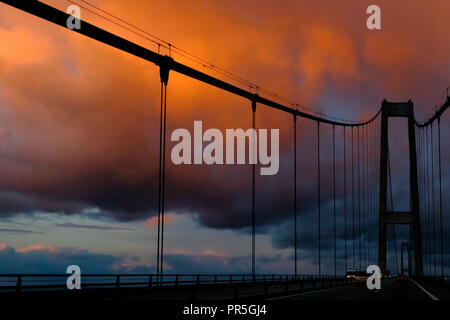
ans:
(53, 282)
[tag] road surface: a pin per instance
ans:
(390, 290)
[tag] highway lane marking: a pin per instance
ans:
(432, 296)
(304, 293)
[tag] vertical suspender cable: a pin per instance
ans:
(440, 197)
(359, 205)
(164, 75)
(345, 205)
(318, 191)
(424, 203)
(253, 194)
(363, 187)
(353, 206)
(424, 193)
(295, 195)
(371, 192)
(433, 202)
(161, 267)
(427, 208)
(159, 182)
(419, 172)
(426, 196)
(370, 172)
(423, 182)
(374, 198)
(362, 196)
(367, 196)
(420, 180)
(334, 198)
(372, 185)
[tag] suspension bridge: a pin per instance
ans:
(369, 212)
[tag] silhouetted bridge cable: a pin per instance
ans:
(428, 182)
(361, 163)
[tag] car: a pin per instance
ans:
(359, 277)
(386, 274)
(402, 278)
(351, 273)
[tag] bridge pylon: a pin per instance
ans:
(412, 218)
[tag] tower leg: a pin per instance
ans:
(405, 110)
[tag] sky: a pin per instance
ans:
(79, 129)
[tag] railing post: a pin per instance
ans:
(198, 279)
(176, 280)
(118, 281)
(19, 284)
(231, 279)
(150, 280)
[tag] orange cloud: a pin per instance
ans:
(24, 46)
(327, 52)
(37, 247)
(153, 221)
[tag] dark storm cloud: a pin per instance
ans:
(86, 136)
(90, 226)
(17, 231)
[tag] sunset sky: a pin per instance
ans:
(79, 128)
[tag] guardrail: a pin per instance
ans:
(54, 282)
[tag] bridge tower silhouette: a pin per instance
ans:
(412, 217)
